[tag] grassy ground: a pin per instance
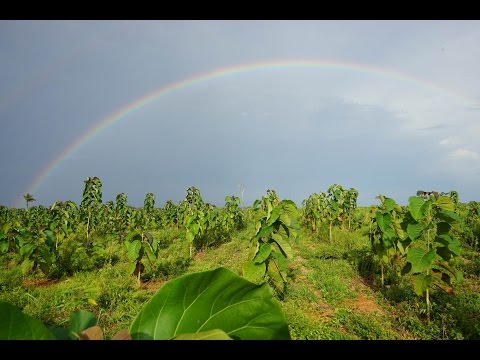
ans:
(332, 293)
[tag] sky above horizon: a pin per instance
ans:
(385, 107)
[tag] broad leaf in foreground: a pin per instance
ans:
(15, 325)
(81, 320)
(215, 334)
(217, 299)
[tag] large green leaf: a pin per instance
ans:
(133, 235)
(215, 334)
(254, 248)
(383, 221)
(414, 230)
(449, 216)
(289, 213)
(290, 221)
(81, 320)
(455, 247)
(415, 206)
(264, 231)
(286, 232)
(389, 236)
(445, 203)
(280, 263)
(420, 259)
(15, 325)
(421, 283)
(217, 299)
(194, 228)
(444, 239)
(132, 267)
(27, 250)
(190, 236)
(398, 229)
(389, 204)
(263, 253)
(254, 272)
(275, 276)
(274, 215)
(134, 250)
(283, 244)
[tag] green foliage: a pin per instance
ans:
(36, 250)
(387, 238)
(91, 201)
(139, 246)
(271, 247)
(232, 216)
(218, 299)
(215, 334)
(336, 207)
(200, 220)
(215, 304)
(149, 203)
(350, 204)
(470, 231)
(430, 239)
(431, 226)
(80, 321)
(315, 208)
(170, 215)
(16, 325)
(7, 234)
(148, 211)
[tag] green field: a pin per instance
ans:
(332, 287)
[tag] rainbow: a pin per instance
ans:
(173, 87)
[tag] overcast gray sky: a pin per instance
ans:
(396, 111)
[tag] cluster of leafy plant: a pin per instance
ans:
(233, 218)
(423, 237)
(388, 239)
(66, 238)
(216, 304)
(140, 246)
(204, 224)
(471, 226)
(276, 226)
(336, 207)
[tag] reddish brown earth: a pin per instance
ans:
(38, 282)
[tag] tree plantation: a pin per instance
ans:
(322, 269)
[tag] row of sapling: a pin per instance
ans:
(37, 226)
(423, 238)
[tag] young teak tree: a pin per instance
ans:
(431, 223)
(387, 238)
(276, 226)
(91, 201)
